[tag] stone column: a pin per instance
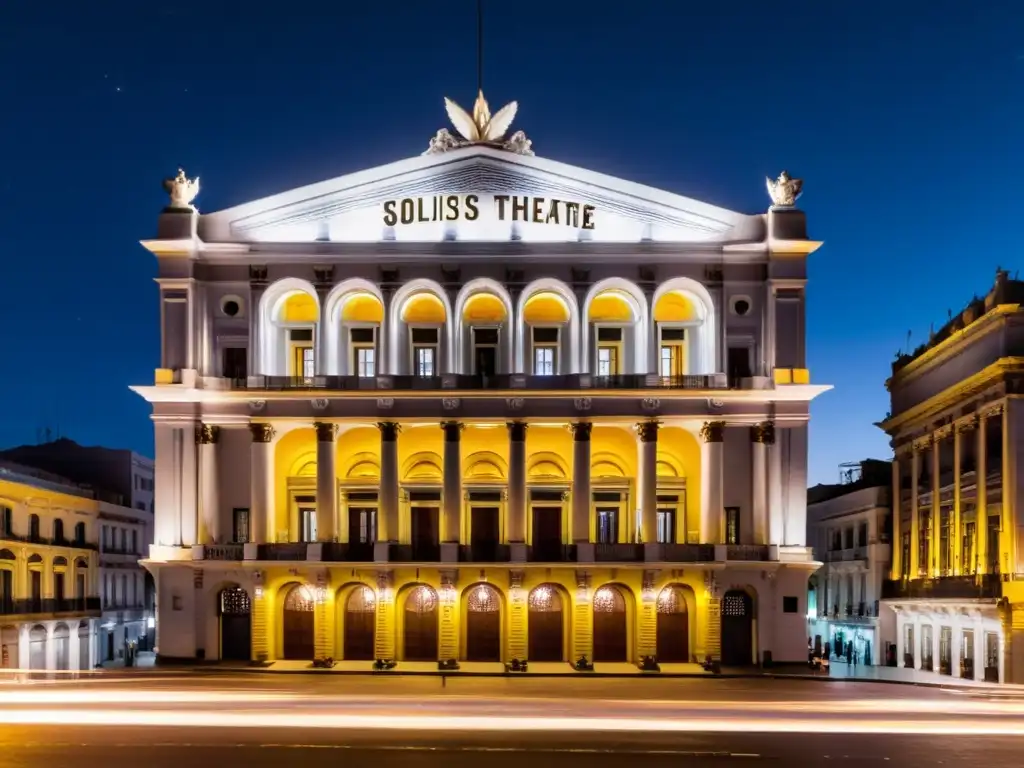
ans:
(452, 482)
(935, 563)
(261, 503)
(517, 482)
(897, 540)
(24, 648)
(387, 519)
(761, 436)
(92, 643)
(712, 478)
(648, 495)
(915, 519)
(956, 539)
(581, 496)
(74, 652)
(776, 521)
(209, 502)
(981, 498)
(51, 646)
(326, 481)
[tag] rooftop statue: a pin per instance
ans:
(784, 190)
(480, 128)
(182, 191)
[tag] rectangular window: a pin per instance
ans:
(905, 558)
(968, 565)
(6, 521)
(608, 361)
(862, 535)
(738, 362)
(58, 588)
(80, 591)
(672, 355)
(666, 526)
(366, 362)
(424, 357)
(307, 522)
(607, 526)
(240, 527)
(302, 361)
(544, 361)
(790, 604)
(732, 525)
(135, 542)
(235, 365)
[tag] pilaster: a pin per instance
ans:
(261, 513)
(581, 493)
(761, 437)
(387, 518)
(326, 481)
(207, 437)
(647, 431)
(517, 483)
(517, 602)
(712, 479)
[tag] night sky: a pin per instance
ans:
(904, 118)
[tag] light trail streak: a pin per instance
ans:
(318, 720)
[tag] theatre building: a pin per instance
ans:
(957, 425)
(480, 406)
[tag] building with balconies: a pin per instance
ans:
(49, 571)
(848, 525)
(126, 593)
(481, 406)
(956, 423)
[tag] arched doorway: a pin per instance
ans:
(85, 660)
(737, 629)
(359, 624)
(37, 648)
(483, 624)
(610, 630)
(420, 628)
(545, 626)
(673, 639)
(297, 624)
(235, 611)
(62, 647)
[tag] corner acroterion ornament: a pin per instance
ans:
(182, 191)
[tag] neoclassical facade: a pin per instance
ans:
(479, 406)
(955, 422)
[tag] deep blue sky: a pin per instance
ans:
(904, 118)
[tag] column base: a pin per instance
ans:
(519, 551)
(250, 551)
(652, 552)
(314, 552)
(449, 552)
(380, 551)
(584, 552)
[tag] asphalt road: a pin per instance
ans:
(255, 720)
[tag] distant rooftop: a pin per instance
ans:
(855, 476)
(1004, 291)
(38, 478)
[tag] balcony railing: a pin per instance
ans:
(49, 605)
(552, 553)
(290, 551)
(618, 553)
(485, 553)
(414, 553)
(984, 586)
(747, 552)
(224, 552)
(351, 552)
(46, 541)
(400, 383)
(688, 553)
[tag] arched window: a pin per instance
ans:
(58, 531)
(33, 528)
(80, 533)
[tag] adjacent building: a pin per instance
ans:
(49, 571)
(849, 525)
(119, 485)
(480, 406)
(957, 423)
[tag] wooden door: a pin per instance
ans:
(673, 633)
(610, 630)
(483, 533)
(737, 629)
(298, 625)
(235, 625)
(483, 624)
(360, 624)
(545, 625)
(420, 630)
(547, 533)
(426, 542)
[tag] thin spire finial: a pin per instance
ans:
(479, 46)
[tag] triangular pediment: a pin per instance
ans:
(476, 194)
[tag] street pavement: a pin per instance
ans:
(224, 720)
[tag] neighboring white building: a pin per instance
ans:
(957, 429)
(127, 606)
(479, 405)
(849, 526)
(49, 571)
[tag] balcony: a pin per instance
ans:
(49, 606)
(351, 552)
(688, 553)
(983, 587)
(290, 551)
(575, 381)
(618, 553)
(746, 552)
(47, 542)
(223, 552)
(414, 553)
(485, 553)
(551, 553)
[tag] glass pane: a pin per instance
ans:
(424, 361)
(308, 368)
(365, 362)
